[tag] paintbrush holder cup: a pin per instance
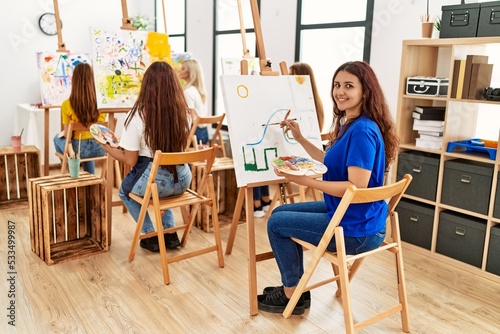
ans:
(74, 167)
(16, 143)
(427, 28)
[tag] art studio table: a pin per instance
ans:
(38, 128)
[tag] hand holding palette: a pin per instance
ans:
(295, 165)
(104, 135)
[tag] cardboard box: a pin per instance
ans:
(493, 262)
(489, 19)
(460, 20)
(461, 237)
(415, 222)
(424, 168)
(467, 185)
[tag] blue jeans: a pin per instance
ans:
(306, 221)
(166, 187)
(201, 134)
(89, 148)
(258, 192)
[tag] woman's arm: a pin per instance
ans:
(313, 151)
(125, 156)
(357, 176)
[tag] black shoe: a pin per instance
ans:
(305, 295)
(171, 240)
(276, 301)
(151, 244)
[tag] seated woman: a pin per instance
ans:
(81, 107)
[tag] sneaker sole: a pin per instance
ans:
(307, 301)
(279, 309)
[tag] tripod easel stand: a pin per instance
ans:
(245, 193)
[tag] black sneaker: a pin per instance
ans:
(276, 301)
(171, 240)
(151, 244)
(305, 295)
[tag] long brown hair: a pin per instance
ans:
(304, 69)
(83, 96)
(163, 108)
(374, 105)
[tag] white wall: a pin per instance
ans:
(395, 20)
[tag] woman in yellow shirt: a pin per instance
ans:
(81, 107)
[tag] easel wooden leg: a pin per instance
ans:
(252, 260)
(236, 218)
(46, 119)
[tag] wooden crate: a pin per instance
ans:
(67, 217)
(15, 170)
(226, 192)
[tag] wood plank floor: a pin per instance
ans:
(105, 293)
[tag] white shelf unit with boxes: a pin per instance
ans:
(464, 119)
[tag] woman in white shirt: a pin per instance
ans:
(195, 94)
(158, 121)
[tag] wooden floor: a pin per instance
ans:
(105, 293)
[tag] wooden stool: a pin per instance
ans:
(15, 170)
(67, 217)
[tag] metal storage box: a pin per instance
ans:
(493, 263)
(424, 169)
(496, 209)
(467, 185)
(461, 237)
(489, 19)
(428, 86)
(415, 222)
(459, 20)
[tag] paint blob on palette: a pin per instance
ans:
(55, 71)
(120, 58)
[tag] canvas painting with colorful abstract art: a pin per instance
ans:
(56, 70)
(120, 58)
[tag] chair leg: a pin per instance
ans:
(159, 234)
(344, 281)
(405, 320)
(215, 220)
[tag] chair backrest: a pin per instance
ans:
(207, 156)
(207, 120)
(392, 192)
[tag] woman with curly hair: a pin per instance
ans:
(362, 146)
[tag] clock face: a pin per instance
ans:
(47, 23)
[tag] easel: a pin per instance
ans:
(246, 193)
(61, 47)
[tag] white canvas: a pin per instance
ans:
(252, 104)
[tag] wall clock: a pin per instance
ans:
(47, 24)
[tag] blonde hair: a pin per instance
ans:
(195, 77)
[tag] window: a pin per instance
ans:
(175, 12)
(228, 41)
(344, 28)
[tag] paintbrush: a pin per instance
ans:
(278, 123)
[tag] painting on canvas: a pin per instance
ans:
(177, 59)
(55, 72)
(232, 66)
(254, 106)
(120, 58)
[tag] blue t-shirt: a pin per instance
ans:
(360, 145)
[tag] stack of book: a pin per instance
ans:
(429, 122)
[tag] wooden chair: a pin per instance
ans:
(207, 120)
(68, 148)
(345, 267)
(189, 202)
